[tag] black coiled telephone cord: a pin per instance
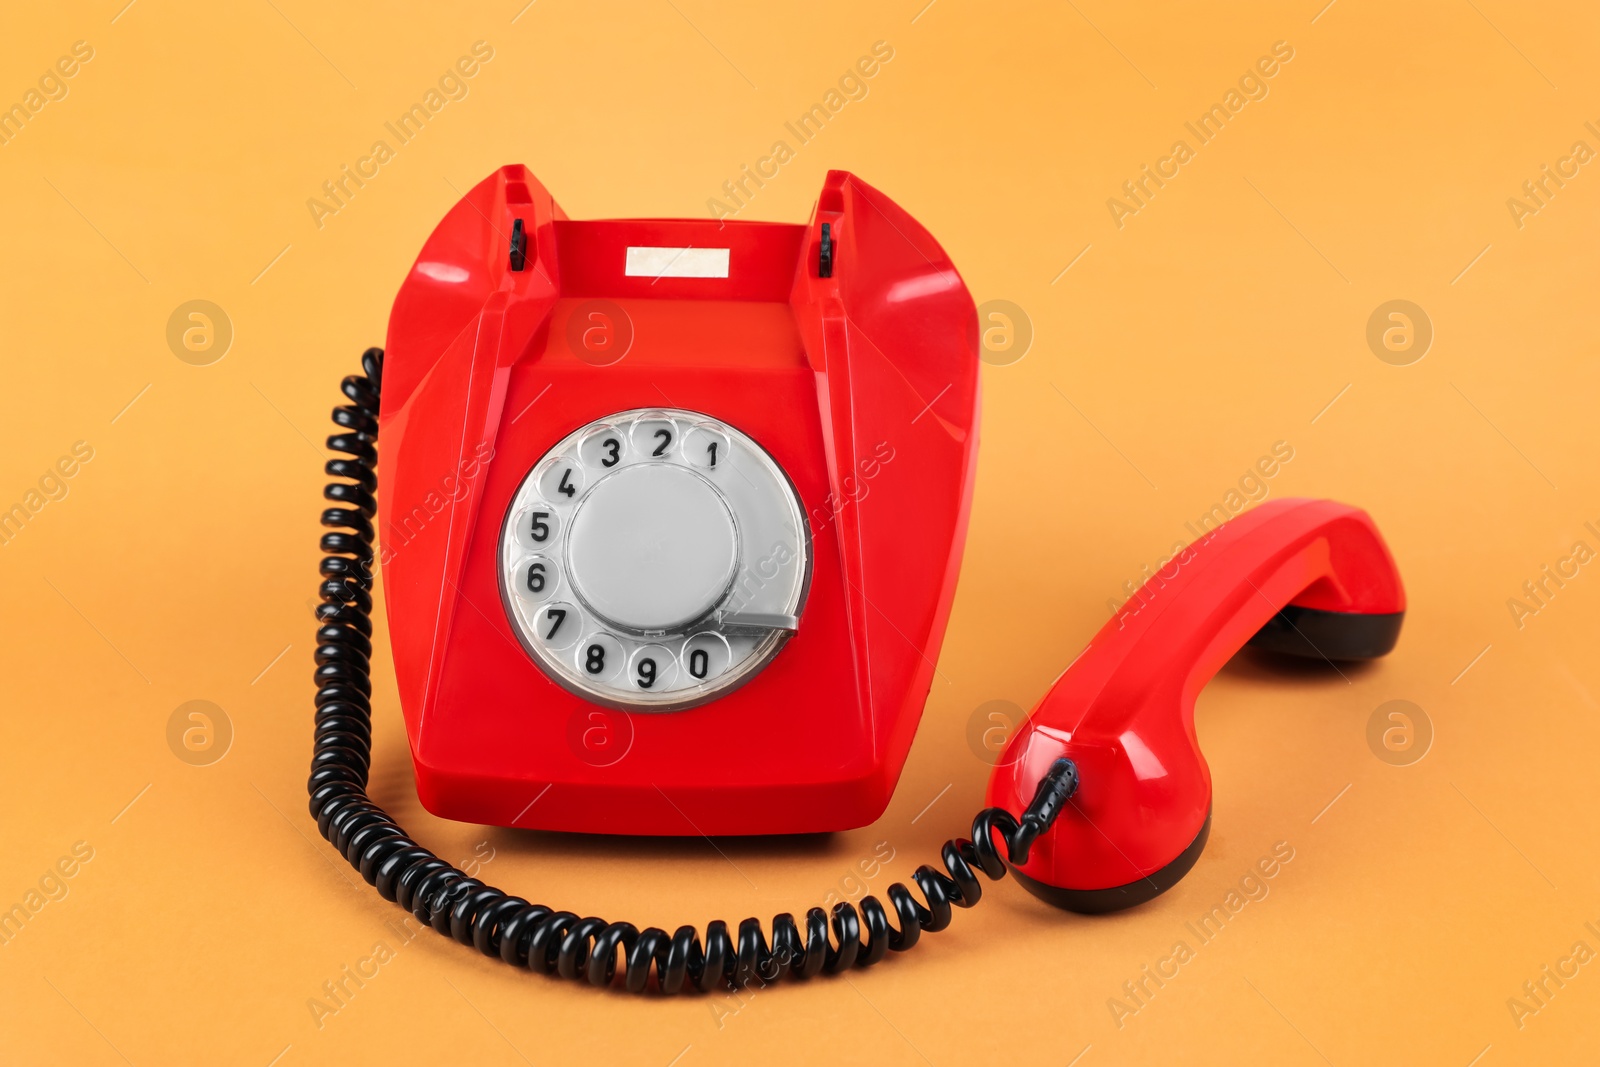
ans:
(532, 935)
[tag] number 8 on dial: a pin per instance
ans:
(601, 657)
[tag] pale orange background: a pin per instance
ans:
(1222, 318)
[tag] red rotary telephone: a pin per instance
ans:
(731, 465)
(672, 524)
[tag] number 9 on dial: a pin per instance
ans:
(653, 667)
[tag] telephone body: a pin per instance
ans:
(673, 510)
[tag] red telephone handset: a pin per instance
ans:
(1305, 577)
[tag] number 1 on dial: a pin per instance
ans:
(706, 447)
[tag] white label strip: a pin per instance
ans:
(652, 262)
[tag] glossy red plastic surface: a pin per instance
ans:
(1124, 710)
(830, 375)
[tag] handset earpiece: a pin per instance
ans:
(1304, 577)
